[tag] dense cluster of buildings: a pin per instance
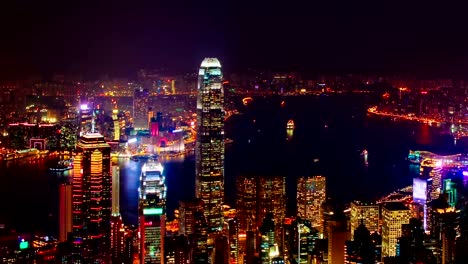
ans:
(428, 226)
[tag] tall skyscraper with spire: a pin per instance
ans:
(210, 142)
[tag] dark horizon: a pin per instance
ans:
(93, 39)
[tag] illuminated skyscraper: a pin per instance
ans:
(247, 202)
(258, 196)
(140, 108)
(364, 213)
(187, 210)
(311, 194)
(116, 121)
(91, 190)
(210, 142)
(118, 230)
(200, 239)
(152, 213)
(394, 215)
(65, 211)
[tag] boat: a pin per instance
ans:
(228, 141)
(63, 165)
(143, 157)
(414, 157)
(364, 152)
(290, 124)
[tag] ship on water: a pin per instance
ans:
(290, 124)
(63, 165)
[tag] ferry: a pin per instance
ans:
(228, 141)
(414, 157)
(139, 157)
(63, 165)
(290, 124)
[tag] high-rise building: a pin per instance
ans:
(91, 190)
(361, 249)
(337, 236)
(247, 202)
(444, 223)
(311, 194)
(200, 239)
(394, 215)
(187, 210)
(232, 233)
(65, 211)
(268, 247)
(210, 142)
(258, 196)
(116, 122)
(221, 250)
(118, 230)
(177, 250)
(152, 212)
(364, 213)
(86, 119)
(140, 108)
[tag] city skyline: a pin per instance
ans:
(242, 139)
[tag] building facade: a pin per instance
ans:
(92, 193)
(210, 142)
(152, 213)
(394, 215)
(364, 213)
(311, 194)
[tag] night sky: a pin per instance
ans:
(340, 36)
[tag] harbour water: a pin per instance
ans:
(329, 136)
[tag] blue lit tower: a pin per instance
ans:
(152, 212)
(210, 142)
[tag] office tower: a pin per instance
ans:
(86, 118)
(247, 202)
(115, 190)
(311, 194)
(267, 243)
(232, 232)
(140, 108)
(411, 243)
(150, 116)
(450, 189)
(177, 250)
(221, 250)
(187, 210)
(129, 249)
(200, 239)
(118, 230)
(65, 211)
(258, 196)
(210, 142)
(444, 223)
(337, 235)
(394, 215)
(250, 247)
(302, 238)
(91, 190)
(361, 249)
(366, 214)
(116, 122)
(152, 212)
